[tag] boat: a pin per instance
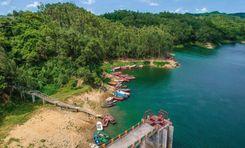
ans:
(132, 66)
(113, 83)
(111, 100)
(124, 86)
(100, 137)
(124, 89)
(116, 68)
(120, 95)
(108, 118)
(124, 67)
(123, 92)
(117, 73)
(118, 98)
(130, 77)
(108, 104)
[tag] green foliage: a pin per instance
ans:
(50, 89)
(159, 64)
(45, 50)
(186, 28)
(66, 92)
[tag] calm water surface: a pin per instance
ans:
(205, 98)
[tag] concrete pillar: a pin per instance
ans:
(170, 136)
(33, 98)
(158, 139)
(164, 138)
(43, 101)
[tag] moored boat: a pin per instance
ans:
(124, 89)
(120, 95)
(108, 104)
(113, 83)
(100, 137)
(116, 68)
(123, 92)
(118, 98)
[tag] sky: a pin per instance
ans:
(103, 6)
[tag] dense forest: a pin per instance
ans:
(62, 43)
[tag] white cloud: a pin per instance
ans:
(5, 2)
(151, 3)
(202, 10)
(154, 4)
(177, 10)
(33, 5)
(180, 10)
(88, 2)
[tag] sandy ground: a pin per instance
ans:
(209, 45)
(171, 63)
(59, 128)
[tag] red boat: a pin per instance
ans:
(118, 99)
(108, 119)
(117, 73)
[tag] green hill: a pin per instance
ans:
(62, 43)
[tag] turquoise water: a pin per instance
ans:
(205, 98)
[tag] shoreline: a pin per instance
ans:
(170, 63)
(54, 120)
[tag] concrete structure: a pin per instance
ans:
(152, 132)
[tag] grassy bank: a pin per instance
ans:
(14, 114)
(66, 92)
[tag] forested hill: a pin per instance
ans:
(62, 43)
(185, 28)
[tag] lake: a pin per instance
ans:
(205, 97)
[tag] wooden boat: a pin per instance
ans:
(113, 83)
(124, 67)
(117, 73)
(108, 104)
(110, 100)
(132, 66)
(118, 98)
(108, 119)
(130, 77)
(116, 68)
(124, 86)
(125, 89)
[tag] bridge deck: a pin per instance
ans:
(132, 136)
(61, 104)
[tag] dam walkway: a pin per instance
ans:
(154, 131)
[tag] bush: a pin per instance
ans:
(50, 89)
(146, 62)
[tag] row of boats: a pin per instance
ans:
(120, 93)
(120, 90)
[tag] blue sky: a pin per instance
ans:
(103, 6)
